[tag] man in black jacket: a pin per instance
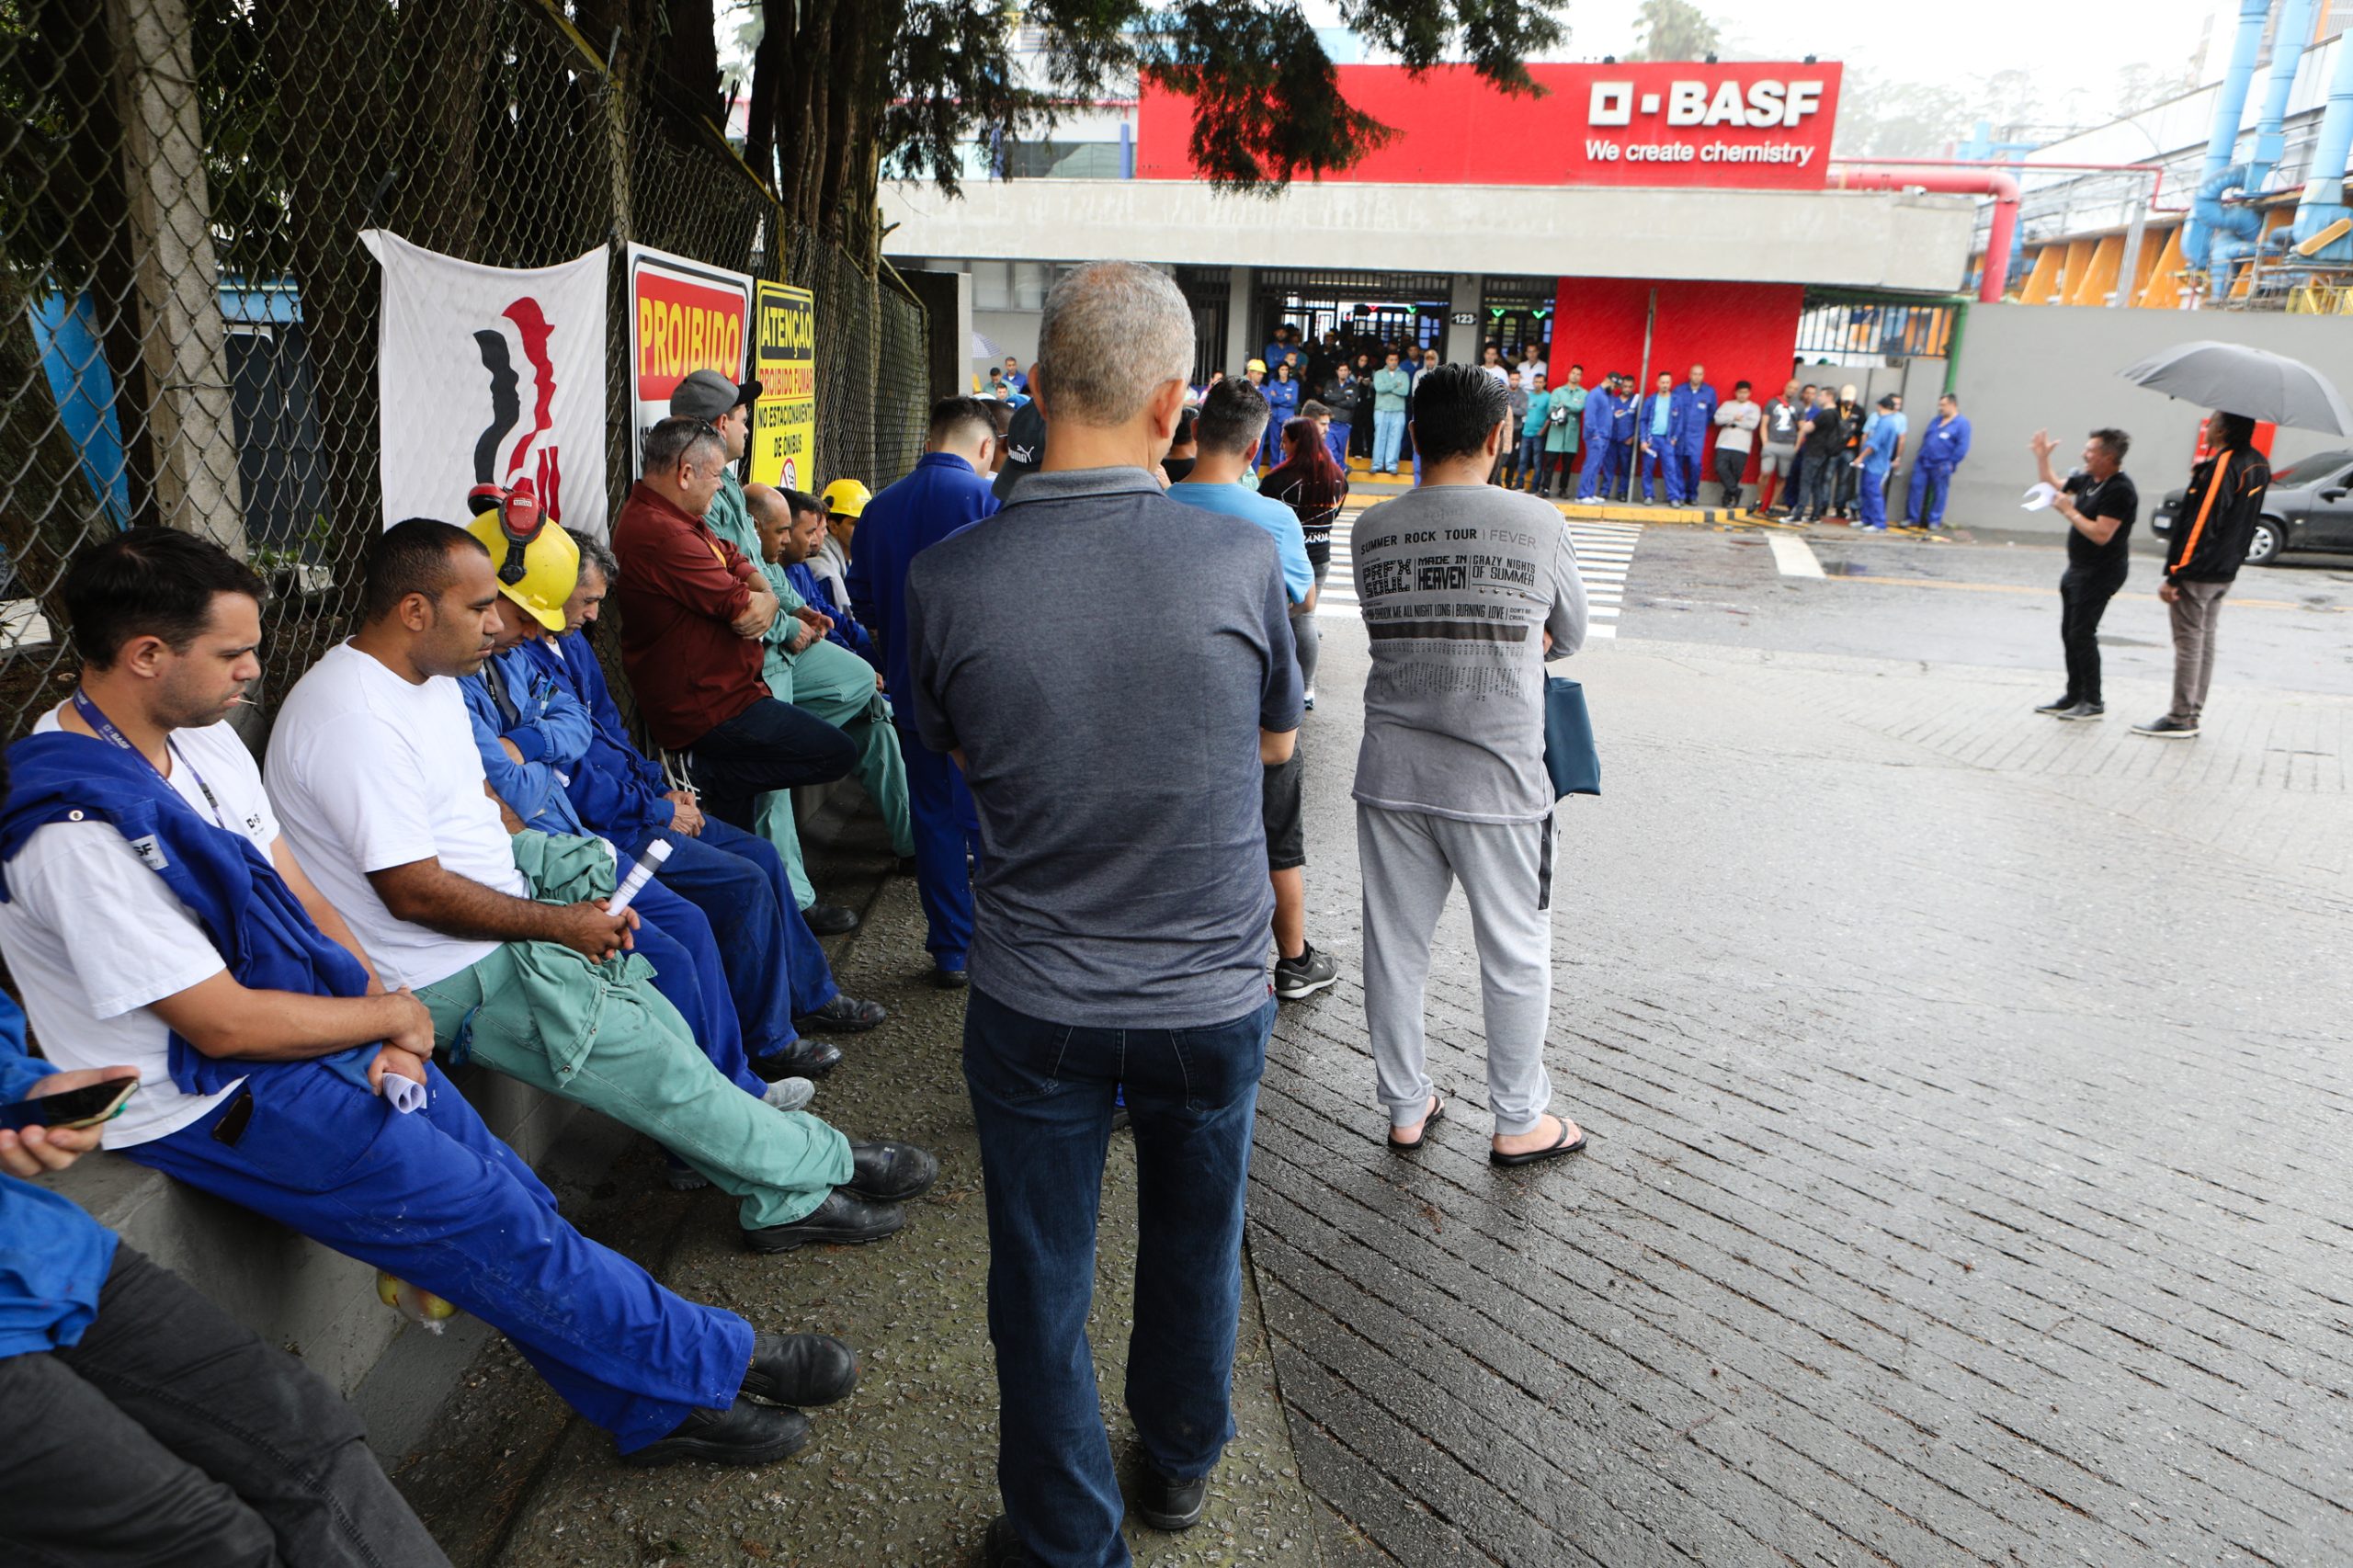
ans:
(2211, 535)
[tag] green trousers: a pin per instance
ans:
(837, 687)
(641, 1067)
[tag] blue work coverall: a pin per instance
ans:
(517, 698)
(941, 496)
(1942, 448)
(1879, 458)
(1695, 408)
(433, 1199)
(1599, 473)
(735, 878)
(1660, 462)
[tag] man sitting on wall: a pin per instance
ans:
(155, 916)
(694, 609)
(827, 676)
(374, 768)
(714, 864)
(726, 966)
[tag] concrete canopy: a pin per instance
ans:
(1894, 240)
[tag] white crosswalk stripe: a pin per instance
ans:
(1605, 552)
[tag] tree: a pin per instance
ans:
(1673, 29)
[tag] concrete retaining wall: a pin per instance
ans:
(2025, 368)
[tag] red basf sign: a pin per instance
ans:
(1754, 125)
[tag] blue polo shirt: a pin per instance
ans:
(940, 496)
(1290, 539)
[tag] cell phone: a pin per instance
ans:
(73, 1109)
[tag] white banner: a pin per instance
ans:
(490, 376)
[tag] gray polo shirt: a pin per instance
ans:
(1105, 658)
(1459, 583)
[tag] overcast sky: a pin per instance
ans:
(2075, 48)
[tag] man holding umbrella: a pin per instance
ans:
(2220, 509)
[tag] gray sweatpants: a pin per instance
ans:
(1410, 860)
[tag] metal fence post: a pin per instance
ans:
(183, 344)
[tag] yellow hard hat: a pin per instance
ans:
(848, 498)
(542, 574)
(1258, 365)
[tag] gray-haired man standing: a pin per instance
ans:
(1114, 735)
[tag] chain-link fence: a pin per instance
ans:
(189, 317)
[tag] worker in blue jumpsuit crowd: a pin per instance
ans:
(1882, 436)
(722, 953)
(1660, 421)
(949, 489)
(1600, 421)
(728, 976)
(144, 1424)
(162, 920)
(1696, 403)
(1943, 447)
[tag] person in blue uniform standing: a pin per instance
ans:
(1660, 421)
(1601, 427)
(1943, 447)
(1696, 403)
(1625, 439)
(949, 489)
(1875, 462)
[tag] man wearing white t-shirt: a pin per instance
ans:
(151, 908)
(374, 768)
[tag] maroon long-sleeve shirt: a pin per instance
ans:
(680, 587)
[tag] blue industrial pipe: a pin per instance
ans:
(2230, 110)
(2224, 233)
(2323, 199)
(2287, 49)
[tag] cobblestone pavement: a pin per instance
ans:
(1965, 1097)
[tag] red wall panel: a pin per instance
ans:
(1739, 331)
(1595, 125)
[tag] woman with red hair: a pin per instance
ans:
(1312, 486)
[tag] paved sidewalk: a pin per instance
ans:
(1966, 1096)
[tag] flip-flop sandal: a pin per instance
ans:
(1436, 1112)
(1552, 1152)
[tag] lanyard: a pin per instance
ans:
(107, 731)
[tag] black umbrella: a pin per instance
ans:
(2271, 388)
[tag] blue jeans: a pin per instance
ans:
(1388, 436)
(433, 1199)
(1529, 469)
(769, 745)
(774, 967)
(1041, 1101)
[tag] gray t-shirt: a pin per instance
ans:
(1105, 657)
(1459, 583)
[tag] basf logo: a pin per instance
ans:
(1753, 125)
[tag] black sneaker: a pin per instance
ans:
(840, 1221)
(801, 1369)
(2055, 708)
(842, 1015)
(2083, 710)
(2168, 729)
(743, 1433)
(830, 919)
(1169, 1504)
(1303, 976)
(1003, 1548)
